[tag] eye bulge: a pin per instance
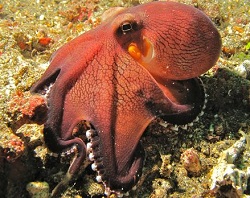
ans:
(128, 27)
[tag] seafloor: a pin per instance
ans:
(30, 31)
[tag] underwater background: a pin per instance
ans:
(219, 143)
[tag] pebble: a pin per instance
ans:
(191, 161)
(38, 189)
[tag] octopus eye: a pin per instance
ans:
(127, 27)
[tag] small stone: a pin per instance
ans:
(161, 188)
(38, 189)
(41, 17)
(191, 161)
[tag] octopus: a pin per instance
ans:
(139, 64)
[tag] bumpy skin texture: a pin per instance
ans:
(96, 78)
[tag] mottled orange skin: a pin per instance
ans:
(98, 80)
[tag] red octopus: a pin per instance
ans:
(139, 64)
